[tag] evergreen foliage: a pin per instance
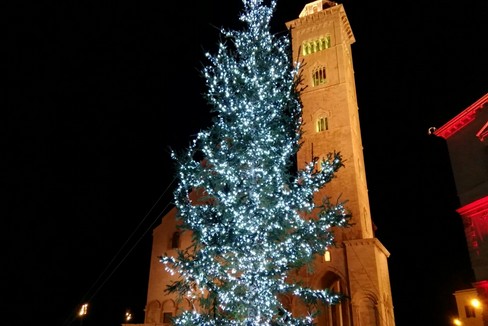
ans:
(247, 207)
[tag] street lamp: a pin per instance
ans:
(83, 311)
(128, 316)
(475, 303)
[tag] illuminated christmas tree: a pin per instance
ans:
(251, 214)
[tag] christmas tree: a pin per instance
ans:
(252, 215)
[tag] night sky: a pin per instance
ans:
(99, 92)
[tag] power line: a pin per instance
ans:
(69, 320)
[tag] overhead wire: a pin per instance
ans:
(72, 316)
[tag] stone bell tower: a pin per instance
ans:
(357, 266)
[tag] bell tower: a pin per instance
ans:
(357, 266)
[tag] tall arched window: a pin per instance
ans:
(322, 124)
(337, 314)
(319, 76)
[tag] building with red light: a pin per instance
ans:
(466, 136)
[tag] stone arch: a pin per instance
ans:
(337, 314)
(168, 310)
(365, 305)
(321, 113)
(153, 310)
(184, 305)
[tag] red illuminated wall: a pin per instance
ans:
(466, 136)
(475, 217)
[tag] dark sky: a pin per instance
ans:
(99, 92)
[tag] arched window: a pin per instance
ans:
(306, 48)
(315, 46)
(337, 314)
(327, 256)
(322, 124)
(325, 42)
(319, 76)
(312, 46)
